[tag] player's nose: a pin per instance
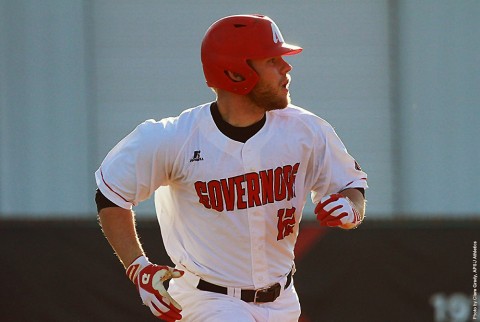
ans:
(286, 67)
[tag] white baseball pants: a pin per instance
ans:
(202, 306)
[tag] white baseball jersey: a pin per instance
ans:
(229, 211)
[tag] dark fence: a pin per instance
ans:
(383, 271)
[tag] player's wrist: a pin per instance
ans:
(355, 219)
(338, 210)
(136, 266)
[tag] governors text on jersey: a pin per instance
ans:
(248, 190)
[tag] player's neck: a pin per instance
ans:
(238, 110)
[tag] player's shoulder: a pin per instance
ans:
(170, 132)
(186, 120)
(193, 115)
(296, 114)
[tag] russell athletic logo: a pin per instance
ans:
(196, 156)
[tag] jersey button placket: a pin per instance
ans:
(257, 226)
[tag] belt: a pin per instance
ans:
(262, 295)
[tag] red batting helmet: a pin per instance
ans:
(230, 41)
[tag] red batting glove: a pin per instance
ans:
(337, 210)
(149, 280)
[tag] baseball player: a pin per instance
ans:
(230, 179)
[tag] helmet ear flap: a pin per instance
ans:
(249, 79)
(236, 77)
(223, 80)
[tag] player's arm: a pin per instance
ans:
(345, 209)
(118, 225)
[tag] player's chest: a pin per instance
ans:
(231, 176)
(204, 159)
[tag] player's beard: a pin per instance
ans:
(268, 97)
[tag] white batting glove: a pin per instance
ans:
(149, 280)
(337, 210)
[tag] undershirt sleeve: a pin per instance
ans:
(103, 202)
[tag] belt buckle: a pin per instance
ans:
(275, 288)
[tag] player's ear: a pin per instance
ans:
(236, 77)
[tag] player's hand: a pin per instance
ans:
(337, 210)
(149, 280)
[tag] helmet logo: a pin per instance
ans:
(277, 35)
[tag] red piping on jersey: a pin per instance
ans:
(354, 181)
(101, 173)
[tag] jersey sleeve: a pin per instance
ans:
(335, 169)
(136, 166)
